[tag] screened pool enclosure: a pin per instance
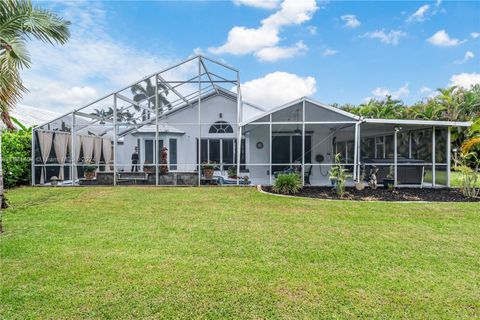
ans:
(188, 125)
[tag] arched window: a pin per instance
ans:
(221, 127)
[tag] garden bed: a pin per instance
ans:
(380, 194)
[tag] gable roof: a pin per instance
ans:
(306, 99)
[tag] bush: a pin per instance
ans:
(16, 158)
(338, 176)
(287, 183)
(469, 176)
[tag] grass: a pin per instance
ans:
(455, 178)
(76, 253)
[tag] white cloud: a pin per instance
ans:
(392, 37)
(425, 90)
(329, 52)
(312, 30)
(272, 54)
(475, 35)
(278, 88)
(263, 4)
(465, 80)
(242, 40)
(351, 21)
(442, 39)
(419, 15)
(468, 55)
(381, 92)
(91, 64)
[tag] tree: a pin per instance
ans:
(148, 94)
(430, 110)
(19, 22)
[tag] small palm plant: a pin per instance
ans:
(338, 176)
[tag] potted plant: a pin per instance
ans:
(360, 185)
(163, 161)
(54, 181)
(208, 169)
(232, 172)
(389, 182)
(147, 167)
(89, 172)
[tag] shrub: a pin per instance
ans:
(16, 158)
(338, 176)
(469, 176)
(289, 183)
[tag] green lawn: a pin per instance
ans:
(76, 253)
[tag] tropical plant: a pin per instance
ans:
(469, 174)
(381, 109)
(148, 93)
(19, 22)
(426, 111)
(338, 176)
(122, 115)
(232, 172)
(287, 183)
(16, 151)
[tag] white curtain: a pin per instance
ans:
(60, 143)
(76, 152)
(97, 147)
(107, 152)
(45, 142)
(87, 145)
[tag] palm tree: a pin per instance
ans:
(430, 110)
(19, 22)
(148, 94)
(382, 109)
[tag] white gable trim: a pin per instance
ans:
(420, 122)
(294, 102)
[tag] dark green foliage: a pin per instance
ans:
(450, 104)
(287, 183)
(16, 156)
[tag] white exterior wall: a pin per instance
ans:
(185, 120)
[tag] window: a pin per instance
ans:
(221, 151)
(287, 150)
(368, 148)
(173, 154)
(220, 127)
(379, 148)
(148, 156)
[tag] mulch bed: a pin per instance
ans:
(380, 194)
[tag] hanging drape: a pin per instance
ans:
(97, 147)
(107, 152)
(87, 146)
(76, 152)
(60, 143)
(45, 143)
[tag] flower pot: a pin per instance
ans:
(360, 186)
(208, 173)
(89, 175)
(148, 169)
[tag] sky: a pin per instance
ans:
(333, 51)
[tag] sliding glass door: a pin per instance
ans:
(221, 151)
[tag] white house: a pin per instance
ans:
(195, 110)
